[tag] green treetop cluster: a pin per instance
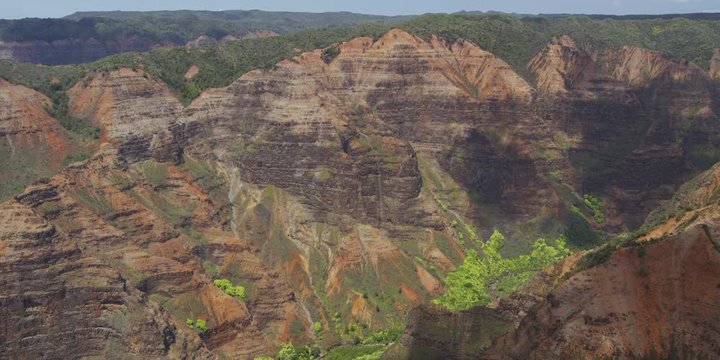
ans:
(230, 289)
(483, 277)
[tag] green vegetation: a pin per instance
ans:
(482, 277)
(595, 205)
(198, 324)
(355, 352)
(170, 26)
(704, 157)
(201, 325)
(330, 53)
(73, 159)
(383, 336)
(93, 201)
(601, 254)
(288, 351)
(156, 173)
(230, 289)
(318, 330)
(578, 230)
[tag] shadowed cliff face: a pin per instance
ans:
(651, 297)
(641, 123)
(343, 184)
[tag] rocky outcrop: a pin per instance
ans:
(137, 113)
(715, 65)
(201, 41)
(366, 112)
(653, 296)
(607, 99)
(341, 180)
(125, 103)
(32, 143)
(434, 333)
(151, 241)
(562, 67)
(58, 300)
(653, 300)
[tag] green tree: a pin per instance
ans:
(470, 284)
(230, 289)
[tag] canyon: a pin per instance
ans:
(346, 184)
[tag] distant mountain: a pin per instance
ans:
(88, 36)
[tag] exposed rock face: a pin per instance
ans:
(125, 103)
(137, 113)
(715, 65)
(434, 333)
(626, 110)
(655, 297)
(333, 183)
(201, 41)
(367, 112)
(71, 51)
(32, 143)
(58, 300)
(657, 300)
(147, 248)
(563, 68)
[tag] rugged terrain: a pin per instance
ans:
(343, 184)
(650, 295)
(32, 143)
(88, 36)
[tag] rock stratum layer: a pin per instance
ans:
(32, 143)
(653, 296)
(336, 185)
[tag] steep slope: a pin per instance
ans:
(58, 300)
(640, 122)
(562, 67)
(341, 137)
(125, 103)
(654, 299)
(162, 238)
(279, 182)
(32, 143)
(651, 296)
(339, 186)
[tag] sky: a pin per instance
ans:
(10, 9)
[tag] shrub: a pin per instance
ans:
(230, 289)
(330, 53)
(469, 285)
(201, 325)
(595, 205)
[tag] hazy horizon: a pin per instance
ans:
(54, 9)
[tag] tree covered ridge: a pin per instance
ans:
(175, 27)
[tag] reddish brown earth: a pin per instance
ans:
(32, 143)
(341, 185)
